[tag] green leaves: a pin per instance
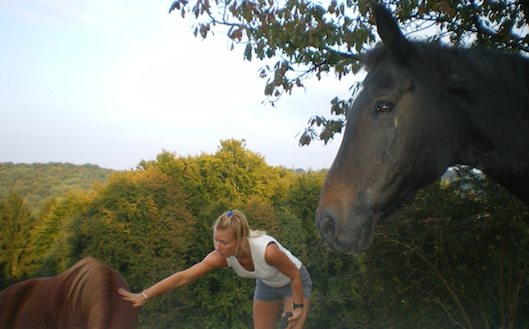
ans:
(297, 33)
(315, 39)
(16, 222)
(459, 242)
(455, 257)
(329, 127)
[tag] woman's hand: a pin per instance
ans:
(137, 300)
(296, 314)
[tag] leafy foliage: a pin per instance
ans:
(459, 250)
(51, 238)
(140, 225)
(454, 258)
(16, 222)
(301, 39)
(39, 183)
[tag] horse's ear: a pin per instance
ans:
(390, 32)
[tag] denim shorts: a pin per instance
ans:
(266, 293)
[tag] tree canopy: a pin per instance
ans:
(38, 183)
(454, 258)
(16, 221)
(301, 39)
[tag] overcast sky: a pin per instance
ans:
(115, 82)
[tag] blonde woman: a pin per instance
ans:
(282, 282)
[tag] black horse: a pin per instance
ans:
(423, 108)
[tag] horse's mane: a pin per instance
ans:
(84, 296)
(92, 287)
(486, 91)
(469, 68)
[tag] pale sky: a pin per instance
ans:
(115, 82)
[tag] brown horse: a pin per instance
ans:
(84, 297)
(423, 108)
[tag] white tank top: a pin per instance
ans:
(262, 270)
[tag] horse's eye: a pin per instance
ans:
(383, 107)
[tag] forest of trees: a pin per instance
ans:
(40, 182)
(455, 257)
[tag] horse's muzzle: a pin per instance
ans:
(341, 234)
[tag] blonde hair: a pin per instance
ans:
(236, 222)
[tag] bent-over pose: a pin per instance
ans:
(281, 279)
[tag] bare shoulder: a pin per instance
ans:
(214, 260)
(273, 254)
(278, 259)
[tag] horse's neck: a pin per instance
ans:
(495, 136)
(505, 160)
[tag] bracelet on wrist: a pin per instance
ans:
(144, 296)
(294, 305)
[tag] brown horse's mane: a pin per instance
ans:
(83, 296)
(91, 286)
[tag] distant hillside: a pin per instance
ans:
(39, 182)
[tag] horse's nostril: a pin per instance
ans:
(327, 226)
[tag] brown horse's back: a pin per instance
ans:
(14, 300)
(85, 296)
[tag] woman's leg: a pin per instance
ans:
(265, 314)
(300, 323)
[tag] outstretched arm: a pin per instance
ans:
(211, 262)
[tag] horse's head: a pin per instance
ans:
(397, 139)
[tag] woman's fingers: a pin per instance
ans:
(136, 300)
(283, 324)
(296, 314)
